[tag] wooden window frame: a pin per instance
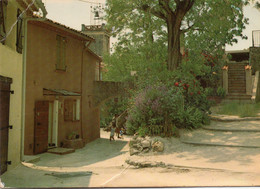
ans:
(19, 31)
(61, 53)
(3, 11)
(72, 110)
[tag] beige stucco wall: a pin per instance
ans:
(11, 66)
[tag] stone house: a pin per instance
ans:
(60, 76)
(13, 18)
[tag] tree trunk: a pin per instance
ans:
(174, 55)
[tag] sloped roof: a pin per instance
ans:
(63, 28)
(59, 92)
(69, 28)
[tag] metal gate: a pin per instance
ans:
(4, 121)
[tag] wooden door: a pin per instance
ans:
(41, 126)
(4, 122)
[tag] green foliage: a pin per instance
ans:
(110, 108)
(240, 109)
(145, 60)
(210, 92)
(142, 34)
(142, 47)
(159, 107)
(221, 92)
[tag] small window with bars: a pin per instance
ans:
(61, 53)
(3, 10)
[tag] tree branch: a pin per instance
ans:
(164, 4)
(158, 14)
(187, 29)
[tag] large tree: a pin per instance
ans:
(144, 21)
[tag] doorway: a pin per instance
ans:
(53, 124)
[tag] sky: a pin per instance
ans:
(74, 13)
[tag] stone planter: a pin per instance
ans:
(74, 143)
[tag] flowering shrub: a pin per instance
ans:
(159, 108)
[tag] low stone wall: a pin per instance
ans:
(254, 54)
(257, 96)
(104, 90)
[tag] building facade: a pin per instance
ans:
(12, 27)
(60, 78)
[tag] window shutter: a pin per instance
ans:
(3, 6)
(68, 110)
(61, 53)
(19, 41)
(58, 38)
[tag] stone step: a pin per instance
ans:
(237, 83)
(232, 70)
(234, 82)
(236, 70)
(237, 77)
(222, 138)
(61, 151)
(236, 65)
(238, 95)
(236, 87)
(242, 68)
(238, 98)
(237, 91)
(236, 126)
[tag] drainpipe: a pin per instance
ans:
(85, 46)
(24, 78)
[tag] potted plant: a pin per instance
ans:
(72, 135)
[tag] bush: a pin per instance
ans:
(159, 108)
(221, 92)
(110, 108)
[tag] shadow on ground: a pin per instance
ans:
(214, 154)
(24, 177)
(96, 151)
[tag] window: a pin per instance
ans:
(61, 53)
(19, 39)
(72, 110)
(3, 7)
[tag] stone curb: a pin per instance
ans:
(215, 144)
(230, 119)
(150, 164)
(146, 164)
(230, 129)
